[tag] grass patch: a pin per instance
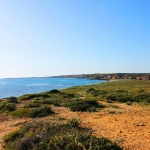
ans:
(5, 106)
(120, 91)
(32, 96)
(33, 112)
(129, 103)
(84, 105)
(31, 105)
(12, 100)
(56, 136)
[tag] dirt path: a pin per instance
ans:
(127, 125)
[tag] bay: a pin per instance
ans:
(19, 86)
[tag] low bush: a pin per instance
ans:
(56, 103)
(124, 98)
(21, 112)
(129, 103)
(109, 101)
(91, 109)
(39, 112)
(110, 97)
(31, 105)
(12, 99)
(95, 92)
(51, 101)
(57, 136)
(26, 143)
(33, 112)
(119, 97)
(7, 106)
(84, 105)
(33, 96)
(148, 100)
(2, 105)
(141, 97)
(54, 91)
(78, 106)
(27, 97)
(46, 101)
(74, 122)
(13, 136)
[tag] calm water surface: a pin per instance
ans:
(20, 86)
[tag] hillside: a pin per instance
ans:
(118, 111)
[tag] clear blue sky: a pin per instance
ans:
(56, 37)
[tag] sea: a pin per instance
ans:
(20, 86)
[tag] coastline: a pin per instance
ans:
(21, 86)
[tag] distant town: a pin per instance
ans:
(111, 76)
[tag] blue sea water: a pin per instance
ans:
(19, 86)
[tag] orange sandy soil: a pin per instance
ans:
(129, 126)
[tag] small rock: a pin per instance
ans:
(141, 124)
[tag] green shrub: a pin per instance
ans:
(56, 103)
(78, 106)
(95, 92)
(92, 103)
(27, 97)
(148, 100)
(39, 112)
(129, 103)
(91, 109)
(110, 97)
(13, 136)
(33, 96)
(71, 95)
(119, 97)
(109, 101)
(74, 122)
(54, 91)
(21, 112)
(2, 105)
(31, 105)
(141, 97)
(56, 136)
(33, 112)
(90, 90)
(46, 101)
(12, 99)
(50, 101)
(84, 105)
(7, 106)
(42, 95)
(37, 98)
(27, 143)
(124, 98)
(140, 91)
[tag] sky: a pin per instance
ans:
(57, 37)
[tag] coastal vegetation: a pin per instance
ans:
(56, 134)
(99, 76)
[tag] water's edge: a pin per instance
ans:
(20, 86)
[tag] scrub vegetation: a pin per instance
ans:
(71, 134)
(56, 136)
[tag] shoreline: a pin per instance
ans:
(43, 87)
